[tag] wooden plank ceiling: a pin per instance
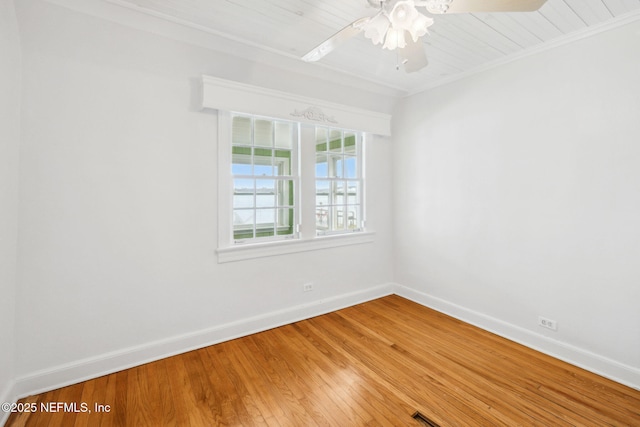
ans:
(457, 43)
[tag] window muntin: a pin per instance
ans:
(264, 169)
(339, 181)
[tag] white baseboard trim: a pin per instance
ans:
(94, 367)
(608, 368)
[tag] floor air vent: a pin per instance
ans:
(424, 420)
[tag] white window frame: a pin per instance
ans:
(306, 238)
(293, 176)
(360, 220)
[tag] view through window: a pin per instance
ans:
(265, 165)
(338, 181)
(264, 175)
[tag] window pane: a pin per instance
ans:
(335, 141)
(241, 161)
(265, 193)
(321, 139)
(322, 167)
(243, 193)
(322, 218)
(263, 133)
(284, 135)
(322, 193)
(353, 193)
(282, 162)
(265, 220)
(243, 224)
(241, 131)
(265, 232)
(336, 168)
(338, 193)
(338, 219)
(240, 168)
(263, 161)
(353, 217)
(350, 165)
(349, 143)
(285, 222)
(285, 192)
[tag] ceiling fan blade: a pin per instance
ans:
(466, 6)
(413, 56)
(335, 40)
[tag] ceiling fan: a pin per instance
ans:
(397, 18)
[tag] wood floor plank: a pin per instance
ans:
(372, 364)
(296, 406)
(103, 393)
(240, 399)
(166, 403)
(258, 401)
(184, 390)
(178, 392)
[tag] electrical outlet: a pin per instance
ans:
(547, 323)
(308, 287)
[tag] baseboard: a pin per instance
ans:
(94, 367)
(576, 356)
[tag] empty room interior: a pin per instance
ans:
(297, 212)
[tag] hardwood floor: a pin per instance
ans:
(373, 364)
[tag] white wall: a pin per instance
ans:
(118, 210)
(9, 145)
(517, 194)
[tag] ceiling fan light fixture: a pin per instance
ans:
(402, 14)
(389, 25)
(419, 26)
(376, 28)
(394, 39)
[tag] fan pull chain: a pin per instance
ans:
(398, 63)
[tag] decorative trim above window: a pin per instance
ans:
(228, 95)
(315, 114)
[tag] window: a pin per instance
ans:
(264, 168)
(282, 181)
(338, 181)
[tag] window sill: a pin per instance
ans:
(259, 250)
